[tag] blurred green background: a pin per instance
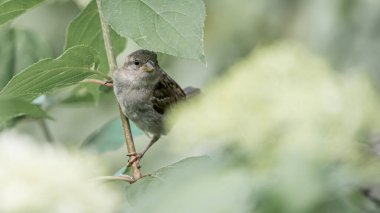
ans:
(345, 33)
(288, 86)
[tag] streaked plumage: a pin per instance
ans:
(146, 93)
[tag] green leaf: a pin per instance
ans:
(172, 27)
(137, 190)
(12, 107)
(183, 165)
(84, 93)
(19, 49)
(164, 177)
(86, 30)
(110, 136)
(74, 65)
(126, 170)
(6, 57)
(10, 9)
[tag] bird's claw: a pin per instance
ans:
(133, 157)
(110, 82)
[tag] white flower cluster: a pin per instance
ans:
(36, 178)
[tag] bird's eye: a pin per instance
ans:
(136, 63)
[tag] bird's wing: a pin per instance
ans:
(166, 93)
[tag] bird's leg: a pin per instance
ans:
(138, 156)
(109, 82)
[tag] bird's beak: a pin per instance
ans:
(149, 66)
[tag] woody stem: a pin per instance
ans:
(113, 66)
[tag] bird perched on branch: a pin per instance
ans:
(146, 93)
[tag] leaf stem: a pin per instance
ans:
(96, 81)
(107, 40)
(113, 66)
(45, 130)
(127, 178)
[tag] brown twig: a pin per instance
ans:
(96, 81)
(113, 66)
(126, 178)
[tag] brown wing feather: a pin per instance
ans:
(166, 93)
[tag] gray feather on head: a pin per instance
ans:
(143, 56)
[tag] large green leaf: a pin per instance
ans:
(172, 27)
(109, 137)
(10, 9)
(139, 189)
(83, 94)
(6, 57)
(12, 107)
(183, 165)
(165, 177)
(19, 49)
(86, 30)
(74, 65)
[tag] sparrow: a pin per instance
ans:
(146, 93)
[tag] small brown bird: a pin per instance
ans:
(146, 93)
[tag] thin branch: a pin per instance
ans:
(113, 66)
(367, 192)
(107, 40)
(45, 130)
(96, 81)
(126, 178)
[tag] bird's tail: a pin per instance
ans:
(191, 91)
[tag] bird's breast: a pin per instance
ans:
(132, 98)
(136, 105)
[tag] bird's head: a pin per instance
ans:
(142, 61)
(141, 67)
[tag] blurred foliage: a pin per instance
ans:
(10, 9)
(11, 107)
(19, 49)
(344, 32)
(284, 85)
(110, 136)
(289, 126)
